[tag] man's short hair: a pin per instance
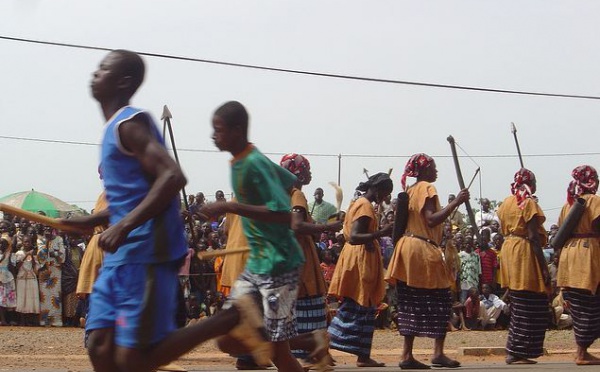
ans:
(133, 66)
(233, 114)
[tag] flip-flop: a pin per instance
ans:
(517, 360)
(448, 363)
(413, 364)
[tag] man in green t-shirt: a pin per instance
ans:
(262, 189)
(319, 209)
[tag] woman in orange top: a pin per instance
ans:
(579, 265)
(311, 312)
(358, 276)
(418, 269)
(523, 270)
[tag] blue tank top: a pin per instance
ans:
(160, 239)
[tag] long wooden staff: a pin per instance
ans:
(166, 118)
(513, 129)
(35, 217)
(461, 184)
(221, 252)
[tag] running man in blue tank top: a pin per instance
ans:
(131, 322)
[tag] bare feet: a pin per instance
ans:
(368, 362)
(171, 367)
(587, 359)
(412, 363)
(251, 331)
(321, 351)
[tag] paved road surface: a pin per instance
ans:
(472, 368)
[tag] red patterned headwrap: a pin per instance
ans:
(521, 188)
(298, 165)
(414, 166)
(585, 181)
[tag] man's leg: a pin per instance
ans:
(283, 358)
(101, 349)
(177, 343)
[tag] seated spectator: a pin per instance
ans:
(494, 310)
(562, 317)
(472, 310)
(553, 270)
(340, 240)
(457, 317)
(328, 259)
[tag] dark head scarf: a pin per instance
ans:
(376, 180)
(521, 188)
(414, 166)
(298, 165)
(585, 181)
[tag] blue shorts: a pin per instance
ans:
(138, 300)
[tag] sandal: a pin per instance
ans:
(413, 364)
(446, 362)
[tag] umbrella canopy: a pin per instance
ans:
(34, 201)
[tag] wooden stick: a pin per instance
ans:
(221, 252)
(36, 217)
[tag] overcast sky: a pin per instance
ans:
(537, 46)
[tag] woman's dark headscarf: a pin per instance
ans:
(379, 180)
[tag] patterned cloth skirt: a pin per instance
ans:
(310, 315)
(529, 318)
(423, 312)
(352, 328)
(585, 310)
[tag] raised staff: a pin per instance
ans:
(513, 129)
(461, 184)
(166, 118)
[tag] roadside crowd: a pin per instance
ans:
(39, 270)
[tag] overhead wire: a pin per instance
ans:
(310, 73)
(374, 156)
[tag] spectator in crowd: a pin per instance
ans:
(69, 275)
(319, 209)
(220, 196)
(485, 216)
(198, 203)
(328, 260)
(553, 271)
(470, 269)
(8, 295)
(498, 241)
(28, 290)
(488, 259)
(472, 309)
(493, 310)
(452, 260)
(51, 256)
(457, 218)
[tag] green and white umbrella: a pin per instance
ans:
(34, 201)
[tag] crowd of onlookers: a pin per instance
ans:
(39, 269)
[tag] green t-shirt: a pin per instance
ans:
(257, 180)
